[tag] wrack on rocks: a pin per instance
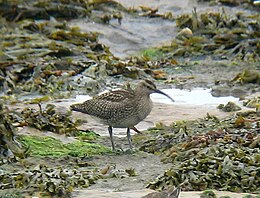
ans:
(28, 9)
(45, 57)
(219, 34)
(52, 58)
(44, 119)
(208, 153)
(241, 85)
(48, 119)
(53, 177)
(9, 146)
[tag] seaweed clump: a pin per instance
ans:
(9, 146)
(229, 107)
(55, 169)
(44, 57)
(20, 10)
(218, 34)
(47, 119)
(209, 153)
(64, 167)
(52, 58)
(47, 181)
(241, 85)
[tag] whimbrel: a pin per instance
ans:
(123, 108)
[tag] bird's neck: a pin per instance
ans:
(141, 94)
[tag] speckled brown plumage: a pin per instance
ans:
(109, 107)
(121, 108)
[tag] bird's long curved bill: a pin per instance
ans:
(160, 92)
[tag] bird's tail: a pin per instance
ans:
(77, 107)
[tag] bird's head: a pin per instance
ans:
(148, 87)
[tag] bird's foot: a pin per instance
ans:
(130, 151)
(124, 151)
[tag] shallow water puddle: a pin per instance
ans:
(198, 96)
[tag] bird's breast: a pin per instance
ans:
(144, 109)
(138, 113)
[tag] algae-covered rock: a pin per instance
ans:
(209, 153)
(230, 106)
(9, 146)
(217, 33)
(252, 102)
(208, 194)
(247, 76)
(49, 120)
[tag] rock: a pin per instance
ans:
(230, 106)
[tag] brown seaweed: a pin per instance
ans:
(208, 153)
(9, 146)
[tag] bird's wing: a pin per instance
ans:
(116, 96)
(106, 106)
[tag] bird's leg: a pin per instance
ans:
(111, 137)
(129, 138)
(136, 130)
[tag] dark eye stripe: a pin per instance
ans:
(150, 84)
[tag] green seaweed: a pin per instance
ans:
(48, 146)
(87, 135)
(208, 194)
(152, 54)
